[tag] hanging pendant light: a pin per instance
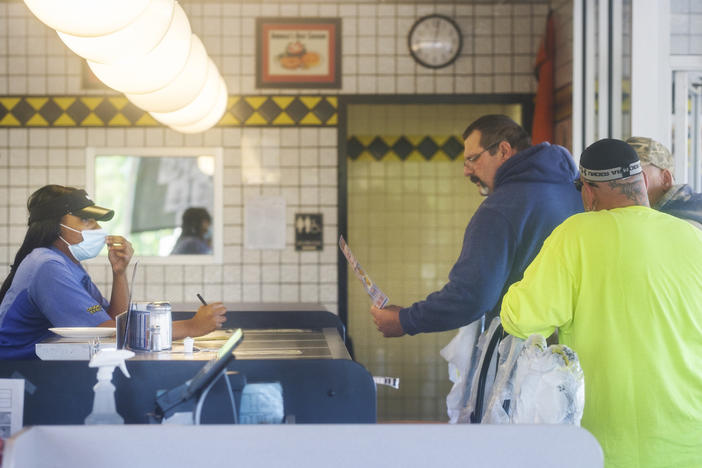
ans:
(184, 89)
(136, 39)
(154, 70)
(145, 49)
(213, 116)
(199, 107)
(86, 17)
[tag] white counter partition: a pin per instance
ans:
(309, 446)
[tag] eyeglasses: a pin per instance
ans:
(475, 157)
(579, 184)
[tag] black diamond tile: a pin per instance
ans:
(3, 111)
(323, 110)
(269, 110)
(354, 148)
(132, 112)
(402, 148)
(453, 148)
(242, 110)
(78, 111)
(106, 111)
(50, 111)
(427, 148)
(378, 148)
(23, 111)
(297, 110)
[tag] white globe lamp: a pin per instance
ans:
(154, 70)
(86, 17)
(214, 115)
(183, 89)
(134, 40)
(199, 107)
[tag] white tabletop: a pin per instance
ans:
(309, 446)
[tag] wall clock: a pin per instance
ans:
(435, 41)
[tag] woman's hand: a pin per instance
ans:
(208, 318)
(119, 253)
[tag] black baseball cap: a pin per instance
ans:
(609, 159)
(76, 203)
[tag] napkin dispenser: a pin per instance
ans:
(148, 326)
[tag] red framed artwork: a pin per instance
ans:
(298, 52)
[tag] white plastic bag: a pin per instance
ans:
(549, 386)
(459, 354)
(536, 384)
(496, 410)
(472, 379)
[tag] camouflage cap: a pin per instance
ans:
(652, 152)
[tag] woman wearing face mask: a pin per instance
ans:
(47, 286)
(196, 237)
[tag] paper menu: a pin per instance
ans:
(378, 297)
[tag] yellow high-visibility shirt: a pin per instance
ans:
(624, 289)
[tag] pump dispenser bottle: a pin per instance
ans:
(104, 411)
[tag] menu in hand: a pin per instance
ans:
(379, 298)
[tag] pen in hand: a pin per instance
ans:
(218, 312)
(201, 299)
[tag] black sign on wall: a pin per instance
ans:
(308, 231)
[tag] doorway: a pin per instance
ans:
(408, 205)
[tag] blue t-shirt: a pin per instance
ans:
(48, 290)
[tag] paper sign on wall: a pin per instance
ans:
(264, 223)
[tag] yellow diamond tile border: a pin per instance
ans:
(65, 111)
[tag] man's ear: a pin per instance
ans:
(645, 179)
(667, 179)
(587, 196)
(506, 150)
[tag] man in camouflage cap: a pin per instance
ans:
(663, 194)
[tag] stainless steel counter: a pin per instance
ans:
(322, 343)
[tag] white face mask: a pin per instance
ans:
(90, 247)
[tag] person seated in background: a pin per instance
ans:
(196, 237)
(622, 283)
(659, 166)
(48, 287)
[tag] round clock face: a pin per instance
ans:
(435, 41)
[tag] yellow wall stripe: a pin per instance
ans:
(36, 103)
(37, 121)
(9, 102)
(64, 121)
(10, 121)
(117, 111)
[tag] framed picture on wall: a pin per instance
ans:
(298, 53)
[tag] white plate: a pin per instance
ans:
(83, 332)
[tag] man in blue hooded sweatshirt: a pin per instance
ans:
(529, 192)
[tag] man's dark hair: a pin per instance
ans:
(495, 128)
(40, 233)
(192, 221)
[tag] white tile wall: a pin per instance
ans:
(686, 27)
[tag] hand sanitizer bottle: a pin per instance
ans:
(106, 360)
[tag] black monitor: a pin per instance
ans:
(183, 397)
